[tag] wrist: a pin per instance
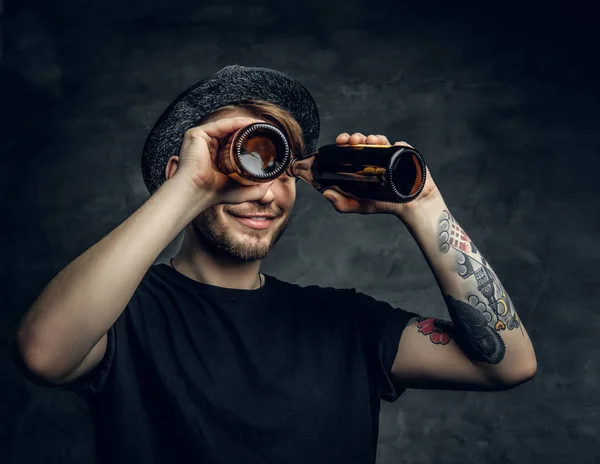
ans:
(187, 196)
(422, 211)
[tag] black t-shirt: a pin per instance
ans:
(281, 374)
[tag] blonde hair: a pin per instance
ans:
(274, 115)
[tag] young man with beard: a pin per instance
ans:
(207, 359)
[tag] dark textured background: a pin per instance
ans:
(503, 102)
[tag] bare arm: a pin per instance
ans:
(70, 318)
(486, 345)
(63, 334)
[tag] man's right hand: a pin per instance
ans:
(197, 163)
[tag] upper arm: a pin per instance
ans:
(429, 358)
(92, 359)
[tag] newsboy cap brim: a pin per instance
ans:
(231, 85)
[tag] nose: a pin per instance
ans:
(268, 197)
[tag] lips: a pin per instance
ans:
(255, 221)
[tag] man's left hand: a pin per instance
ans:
(350, 205)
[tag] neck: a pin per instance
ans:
(215, 268)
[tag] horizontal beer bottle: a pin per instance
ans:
(391, 173)
(256, 153)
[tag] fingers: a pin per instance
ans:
(347, 205)
(343, 138)
(403, 144)
(198, 142)
(207, 136)
(357, 138)
(223, 127)
(377, 140)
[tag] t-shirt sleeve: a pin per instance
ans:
(380, 327)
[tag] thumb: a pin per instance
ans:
(342, 203)
(331, 196)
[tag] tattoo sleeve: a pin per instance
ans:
(487, 309)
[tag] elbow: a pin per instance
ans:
(34, 354)
(527, 369)
(518, 376)
(524, 376)
(31, 364)
(531, 369)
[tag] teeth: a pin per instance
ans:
(254, 218)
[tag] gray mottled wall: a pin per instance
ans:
(503, 103)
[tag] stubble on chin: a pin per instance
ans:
(212, 232)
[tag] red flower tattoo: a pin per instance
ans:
(436, 329)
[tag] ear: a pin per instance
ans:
(171, 166)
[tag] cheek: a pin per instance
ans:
(211, 215)
(286, 193)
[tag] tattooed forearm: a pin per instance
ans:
(488, 310)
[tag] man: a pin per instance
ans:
(208, 360)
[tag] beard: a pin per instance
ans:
(212, 231)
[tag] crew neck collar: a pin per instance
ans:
(268, 282)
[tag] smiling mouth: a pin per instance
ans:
(254, 222)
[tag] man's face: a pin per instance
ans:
(227, 228)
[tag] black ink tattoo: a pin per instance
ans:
(473, 334)
(476, 322)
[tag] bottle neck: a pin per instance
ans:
(301, 168)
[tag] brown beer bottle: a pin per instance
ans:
(255, 153)
(260, 152)
(372, 172)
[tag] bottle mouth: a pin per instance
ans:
(407, 173)
(262, 151)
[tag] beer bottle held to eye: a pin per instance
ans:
(255, 153)
(260, 153)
